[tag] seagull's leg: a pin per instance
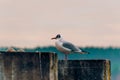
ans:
(66, 57)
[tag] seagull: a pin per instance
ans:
(66, 47)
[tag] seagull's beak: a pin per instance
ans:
(53, 38)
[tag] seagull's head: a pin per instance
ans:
(58, 36)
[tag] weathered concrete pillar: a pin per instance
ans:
(84, 70)
(28, 66)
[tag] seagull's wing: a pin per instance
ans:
(70, 46)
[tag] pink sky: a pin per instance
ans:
(30, 23)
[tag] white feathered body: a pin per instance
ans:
(59, 45)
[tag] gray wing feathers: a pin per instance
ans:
(70, 46)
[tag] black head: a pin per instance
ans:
(57, 37)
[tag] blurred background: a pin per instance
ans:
(90, 24)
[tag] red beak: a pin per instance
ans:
(53, 38)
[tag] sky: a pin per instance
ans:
(31, 23)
